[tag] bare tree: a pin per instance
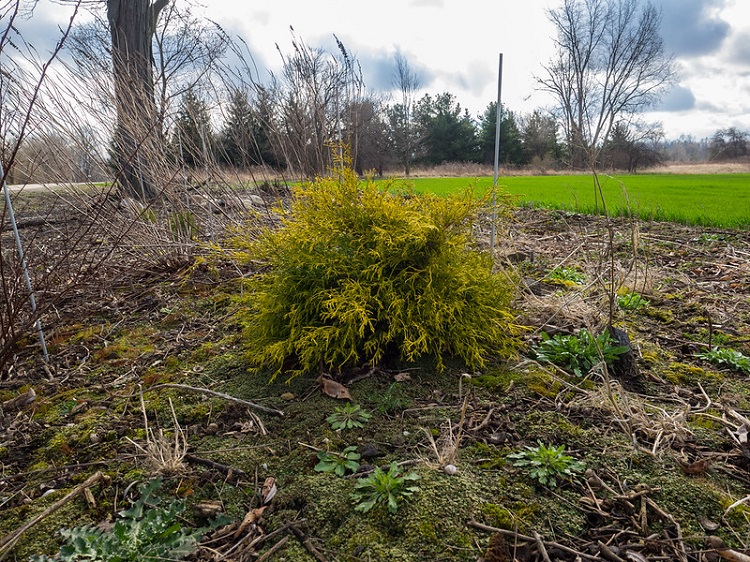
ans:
(401, 118)
(728, 144)
(313, 103)
(610, 64)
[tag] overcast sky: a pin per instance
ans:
(453, 45)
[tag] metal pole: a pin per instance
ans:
(498, 119)
(208, 179)
(22, 257)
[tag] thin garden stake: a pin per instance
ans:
(208, 179)
(498, 116)
(22, 257)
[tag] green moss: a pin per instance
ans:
(684, 373)
(516, 515)
(543, 384)
(660, 314)
(552, 427)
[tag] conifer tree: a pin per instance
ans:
(193, 130)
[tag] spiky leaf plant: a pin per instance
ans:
(357, 272)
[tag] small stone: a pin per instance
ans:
(499, 438)
(707, 524)
(450, 469)
(369, 451)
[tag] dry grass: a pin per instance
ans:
(163, 454)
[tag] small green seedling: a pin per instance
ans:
(726, 357)
(547, 464)
(339, 463)
(578, 353)
(348, 417)
(387, 488)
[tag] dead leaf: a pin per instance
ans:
(635, 556)
(250, 521)
(697, 467)
(268, 491)
(707, 524)
(89, 496)
(334, 389)
(733, 555)
(208, 509)
(742, 434)
(20, 401)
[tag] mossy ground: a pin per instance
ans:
(180, 329)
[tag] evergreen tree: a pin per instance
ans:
(193, 131)
(448, 134)
(511, 149)
(539, 137)
(244, 138)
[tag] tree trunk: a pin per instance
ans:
(138, 144)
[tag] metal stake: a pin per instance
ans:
(498, 116)
(22, 257)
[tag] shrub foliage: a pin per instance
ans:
(357, 272)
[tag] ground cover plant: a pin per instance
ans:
(578, 353)
(718, 200)
(547, 464)
(666, 466)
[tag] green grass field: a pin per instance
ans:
(716, 200)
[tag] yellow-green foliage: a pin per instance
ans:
(357, 272)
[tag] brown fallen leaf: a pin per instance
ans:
(334, 389)
(716, 544)
(268, 491)
(707, 524)
(696, 468)
(734, 555)
(208, 508)
(250, 521)
(635, 556)
(742, 432)
(20, 401)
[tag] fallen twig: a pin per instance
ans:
(9, 541)
(308, 544)
(227, 470)
(547, 544)
(273, 550)
(265, 409)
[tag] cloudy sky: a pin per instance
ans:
(453, 45)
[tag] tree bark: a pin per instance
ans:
(138, 143)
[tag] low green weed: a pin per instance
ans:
(147, 531)
(348, 417)
(726, 357)
(547, 464)
(578, 353)
(632, 301)
(566, 276)
(339, 463)
(391, 400)
(389, 488)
